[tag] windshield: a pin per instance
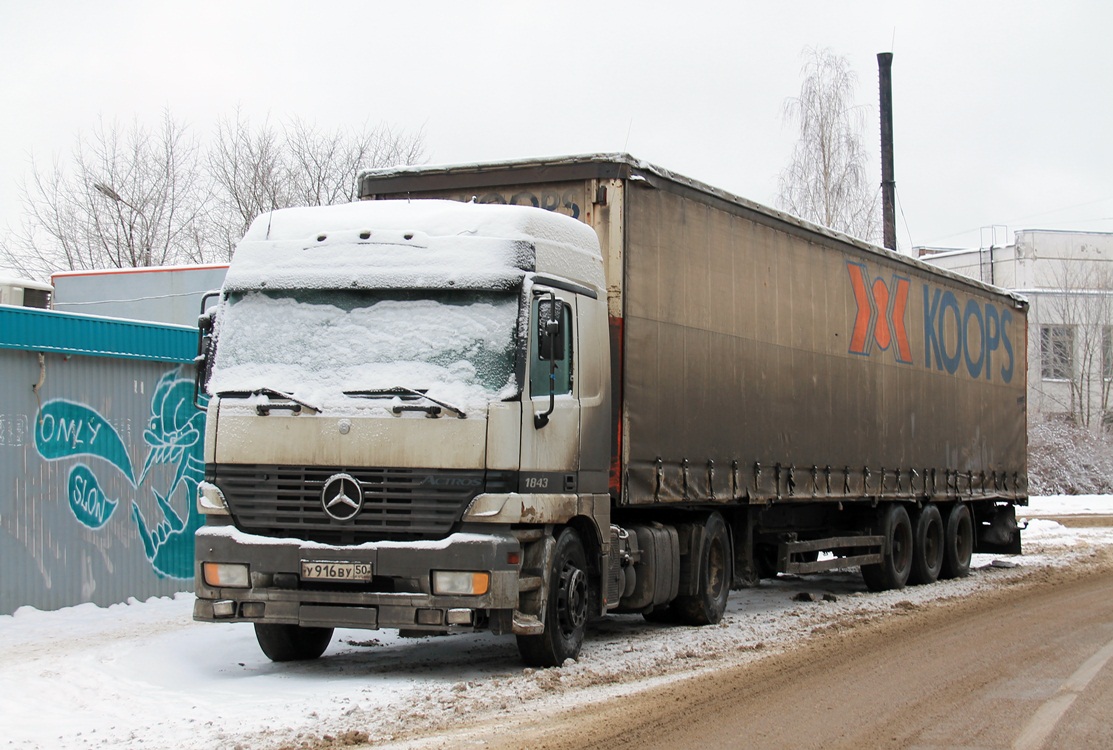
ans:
(316, 344)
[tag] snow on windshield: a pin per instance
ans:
(316, 344)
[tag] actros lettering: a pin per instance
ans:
(432, 481)
(957, 334)
(881, 315)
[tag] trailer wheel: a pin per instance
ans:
(566, 610)
(958, 543)
(707, 605)
(896, 561)
(927, 546)
(292, 642)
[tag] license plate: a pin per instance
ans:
(328, 570)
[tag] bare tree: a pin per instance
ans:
(1076, 341)
(826, 181)
(249, 174)
(259, 169)
(128, 197)
(325, 165)
(139, 197)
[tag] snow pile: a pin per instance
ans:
(1066, 505)
(143, 675)
(1064, 459)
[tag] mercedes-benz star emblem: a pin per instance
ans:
(342, 498)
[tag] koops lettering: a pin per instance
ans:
(971, 335)
(978, 330)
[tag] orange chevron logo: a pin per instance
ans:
(881, 316)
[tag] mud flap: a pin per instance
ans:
(529, 617)
(999, 533)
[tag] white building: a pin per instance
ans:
(1068, 278)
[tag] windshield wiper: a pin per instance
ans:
(399, 390)
(264, 409)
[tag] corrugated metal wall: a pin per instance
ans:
(100, 455)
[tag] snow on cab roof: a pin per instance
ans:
(422, 243)
(433, 217)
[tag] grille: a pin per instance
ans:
(398, 504)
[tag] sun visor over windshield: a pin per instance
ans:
(382, 260)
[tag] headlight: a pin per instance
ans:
(461, 582)
(227, 575)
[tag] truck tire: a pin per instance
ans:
(292, 642)
(566, 610)
(707, 605)
(927, 546)
(958, 543)
(896, 560)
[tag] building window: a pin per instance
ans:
(1056, 352)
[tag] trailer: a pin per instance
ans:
(518, 396)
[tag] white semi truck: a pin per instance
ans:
(522, 395)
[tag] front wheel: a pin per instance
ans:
(567, 607)
(292, 642)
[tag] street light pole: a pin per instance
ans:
(108, 192)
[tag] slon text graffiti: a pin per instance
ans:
(972, 336)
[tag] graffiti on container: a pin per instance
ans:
(175, 437)
(67, 429)
(13, 430)
(89, 503)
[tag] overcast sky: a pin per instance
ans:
(1003, 114)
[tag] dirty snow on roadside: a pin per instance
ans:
(143, 675)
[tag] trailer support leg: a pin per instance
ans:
(745, 569)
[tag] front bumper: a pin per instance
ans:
(400, 595)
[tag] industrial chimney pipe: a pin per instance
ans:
(888, 181)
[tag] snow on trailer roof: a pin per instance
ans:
(25, 283)
(412, 243)
(390, 180)
(139, 269)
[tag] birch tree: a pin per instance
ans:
(826, 181)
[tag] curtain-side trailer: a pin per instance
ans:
(522, 424)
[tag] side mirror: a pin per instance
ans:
(550, 329)
(206, 342)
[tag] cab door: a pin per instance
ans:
(551, 419)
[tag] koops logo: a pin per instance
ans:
(972, 335)
(882, 313)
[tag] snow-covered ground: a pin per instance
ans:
(144, 675)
